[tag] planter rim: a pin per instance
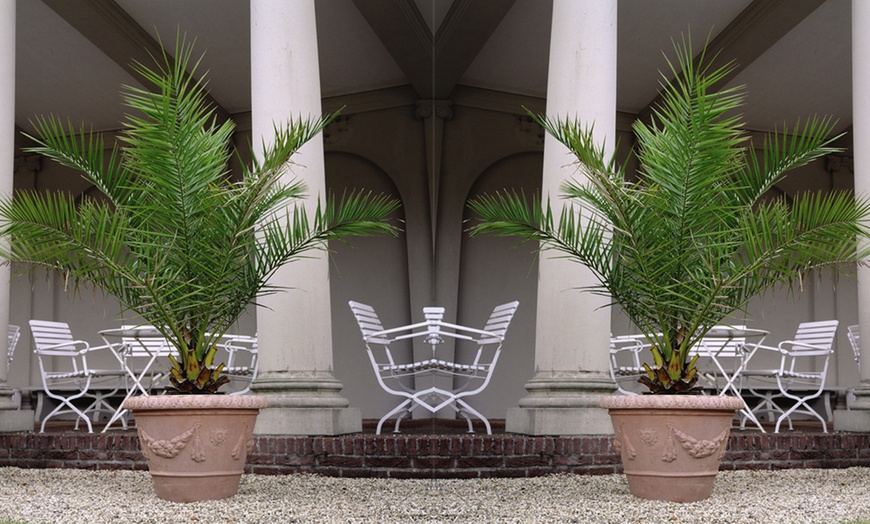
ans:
(671, 402)
(196, 402)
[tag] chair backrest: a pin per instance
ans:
(245, 346)
(854, 334)
(818, 334)
(499, 321)
(628, 346)
(47, 333)
(54, 339)
(368, 321)
(242, 364)
(14, 335)
(625, 362)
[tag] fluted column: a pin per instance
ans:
(572, 340)
(294, 326)
(858, 417)
(11, 419)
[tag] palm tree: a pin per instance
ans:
(697, 235)
(172, 236)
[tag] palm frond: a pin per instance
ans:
(697, 237)
(175, 239)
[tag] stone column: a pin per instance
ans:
(295, 325)
(572, 340)
(858, 418)
(11, 418)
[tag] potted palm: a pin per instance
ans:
(182, 245)
(687, 244)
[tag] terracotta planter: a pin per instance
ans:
(671, 445)
(196, 445)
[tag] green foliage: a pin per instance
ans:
(172, 236)
(696, 237)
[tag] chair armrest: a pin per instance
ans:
(766, 348)
(120, 345)
(56, 349)
(626, 343)
(803, 347)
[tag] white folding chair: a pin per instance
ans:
(241, 365)
(14, 335)
(625, 363)
(801, 374)
(854, 335)
(468, 378)
(66, 375)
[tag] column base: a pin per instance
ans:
(16, 420)
(308, 421)
(558, 421)
(857, 416)
(560, 406)
(304, 404)
(12, 418)
(856, 420)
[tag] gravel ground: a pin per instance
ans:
(790, 496)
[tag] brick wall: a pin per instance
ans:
(435, 456)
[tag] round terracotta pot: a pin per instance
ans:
(195, 445)
(671, 445)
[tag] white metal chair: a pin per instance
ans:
(14, 335)
(468, 379)
(66, 375)
(241, 365)
(854, 335)
(625, 363)
(800, 376)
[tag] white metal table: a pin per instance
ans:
(144, 338)
(715, 342)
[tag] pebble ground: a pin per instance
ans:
(68, 496)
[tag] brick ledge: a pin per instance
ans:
(435, 456)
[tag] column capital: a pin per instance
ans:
(442, 109)
(837, 163)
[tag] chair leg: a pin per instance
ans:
(765, 404)
(400, 407)
(462, 413)
(71, 409)
(469, 409)
(807, 410)
(800, 401)
(402, 415)
(101, 404)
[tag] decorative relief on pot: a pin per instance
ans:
(697, 448)
(621, 442)
(198, 453)
(649, 437)
(166, 448)
(245, 442)
(218, 437)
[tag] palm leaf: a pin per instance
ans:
(172, 236)
(697, 237)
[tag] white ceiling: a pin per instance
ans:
(60, 70)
